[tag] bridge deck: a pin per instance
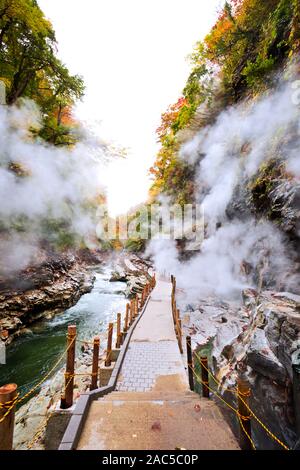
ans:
(152, 407)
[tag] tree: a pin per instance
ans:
(30, 68)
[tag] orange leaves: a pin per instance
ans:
(169, 117)
(218, 33)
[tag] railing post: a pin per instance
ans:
(67, 398)
(143, 297)
(95, 367)
(126, 325)
(8, 394)
(137, 305)
(190, 362)
(131, 311)
(118, 340)
(243, 397)
(174, 308)
(109, 345)
(179, 332)
(204, 377)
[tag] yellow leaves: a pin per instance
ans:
(27, 12)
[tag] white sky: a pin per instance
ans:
(132, 56)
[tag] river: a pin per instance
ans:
(34, 353)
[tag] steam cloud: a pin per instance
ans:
(228, 154)
(54, 184)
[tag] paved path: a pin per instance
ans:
(153, 355)
(152, 407)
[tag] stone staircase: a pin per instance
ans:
(156, 421)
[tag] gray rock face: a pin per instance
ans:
(22, 305)
(132, 270)
(278, 200)
(262, 360)
(261, 338)
(285, 200)
(266, 350)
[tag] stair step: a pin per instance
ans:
(189, 422)
(150, 396)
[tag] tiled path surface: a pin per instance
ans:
(145, 362)
(153, 350)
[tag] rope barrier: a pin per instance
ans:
(6, 406)
(38, 433)
(33, 389)
(240, 395)
(225, 389)
(265, 427)
(240, 417)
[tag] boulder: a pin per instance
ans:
(262, 360)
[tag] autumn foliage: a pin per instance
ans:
(250, 40)
(30, 68)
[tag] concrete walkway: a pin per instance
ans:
(152, 407)
(153, 356)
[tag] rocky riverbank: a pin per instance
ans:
(133, 270)
(259, 339)
(43, 290)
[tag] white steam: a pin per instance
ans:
(229, 153)
(39, 181)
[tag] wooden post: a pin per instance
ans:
(126, 325)
(122, 337)
(95, 367)
(109, 345)
(190, 361)
(8, 394)
(174, 309)
(134, 308)
(118, 340)
(143, 297)
(131, 312)
(243, 396)
(179, 332)
(67, 398)
(204, 377)
(137, 305)
(177, 314)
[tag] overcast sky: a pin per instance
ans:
(132, 56)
